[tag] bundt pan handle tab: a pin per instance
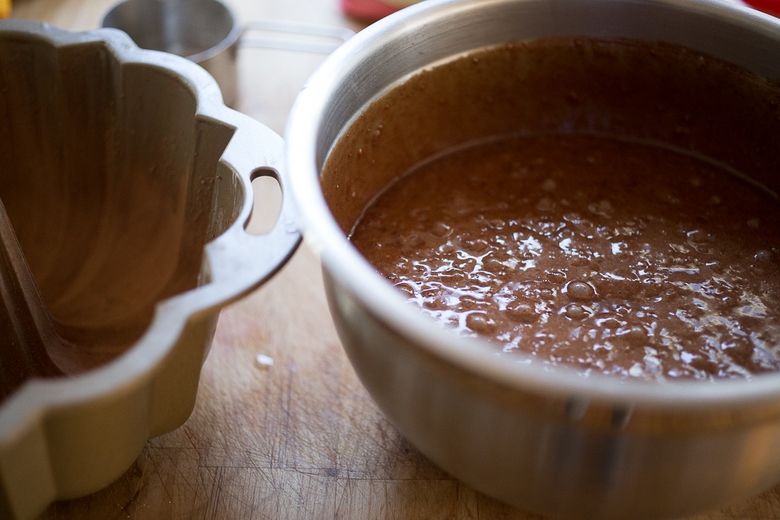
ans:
(238, 261)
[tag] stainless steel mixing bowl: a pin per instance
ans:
(545, 440)
(128, 184)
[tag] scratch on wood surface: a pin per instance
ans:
(135, 480)
(287, 433)
(127, 506)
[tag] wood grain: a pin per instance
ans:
(300, 439)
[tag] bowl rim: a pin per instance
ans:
(355, 275)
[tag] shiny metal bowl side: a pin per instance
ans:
(551, 442)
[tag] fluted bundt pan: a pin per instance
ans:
(126, 187)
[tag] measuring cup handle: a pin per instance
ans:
(237, 261)
(294, 36)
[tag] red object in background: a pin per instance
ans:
(372, 10)
(368, 10)
(768, 6)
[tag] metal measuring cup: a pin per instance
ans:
(205, 31)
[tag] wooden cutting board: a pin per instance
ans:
(298, 439)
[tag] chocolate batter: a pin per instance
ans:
(616, 256)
